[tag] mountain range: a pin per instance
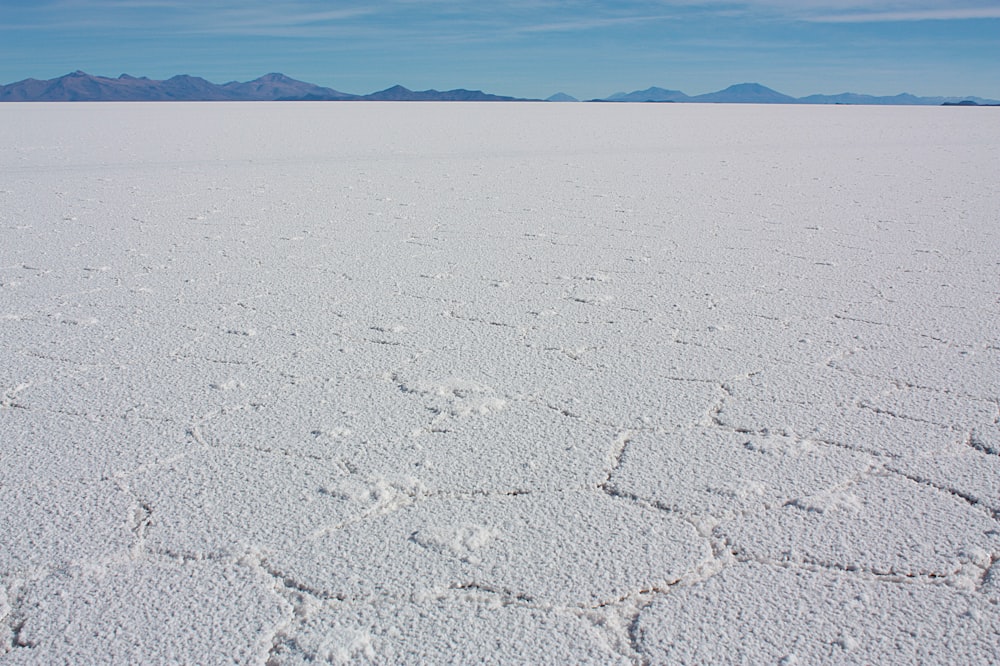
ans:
(80, 86)
(755, 93)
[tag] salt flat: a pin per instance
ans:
(423, 383)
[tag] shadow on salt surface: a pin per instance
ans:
(571, 548)
(799, 616)
(149, 612)
(473, 628)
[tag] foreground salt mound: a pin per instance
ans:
(806, 616)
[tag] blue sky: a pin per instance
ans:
(587, 48)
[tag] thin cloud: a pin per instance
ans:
(266, 18)
(435, 20)
(915, 15)
(179, 17)
(592, 24)
(843, 11)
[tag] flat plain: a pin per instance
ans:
(292, 383)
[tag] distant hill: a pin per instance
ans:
(755, 93)
(653, 94)
(904, 99)
(745, 93)
(968, 102)
(398, 93)
(561, 97)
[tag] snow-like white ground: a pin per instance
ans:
(402, 383)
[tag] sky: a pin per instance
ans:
(524, 48)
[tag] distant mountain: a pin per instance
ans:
(745, 93)
(80, 86)
(400, 94)
(855, 98)
(653, 94)
(904, 99)
(754, 93)
(276, 86)
(969, 102)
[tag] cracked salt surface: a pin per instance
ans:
(803, 616)
(438, 629)
(149, 611)
(362, 383)
(572, 548)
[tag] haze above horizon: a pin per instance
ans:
(584, 48)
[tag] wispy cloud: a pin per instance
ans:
(844, 11)
(949, 14)
(592, 24)
(452, 18)
(183, 17)
(447, 21)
